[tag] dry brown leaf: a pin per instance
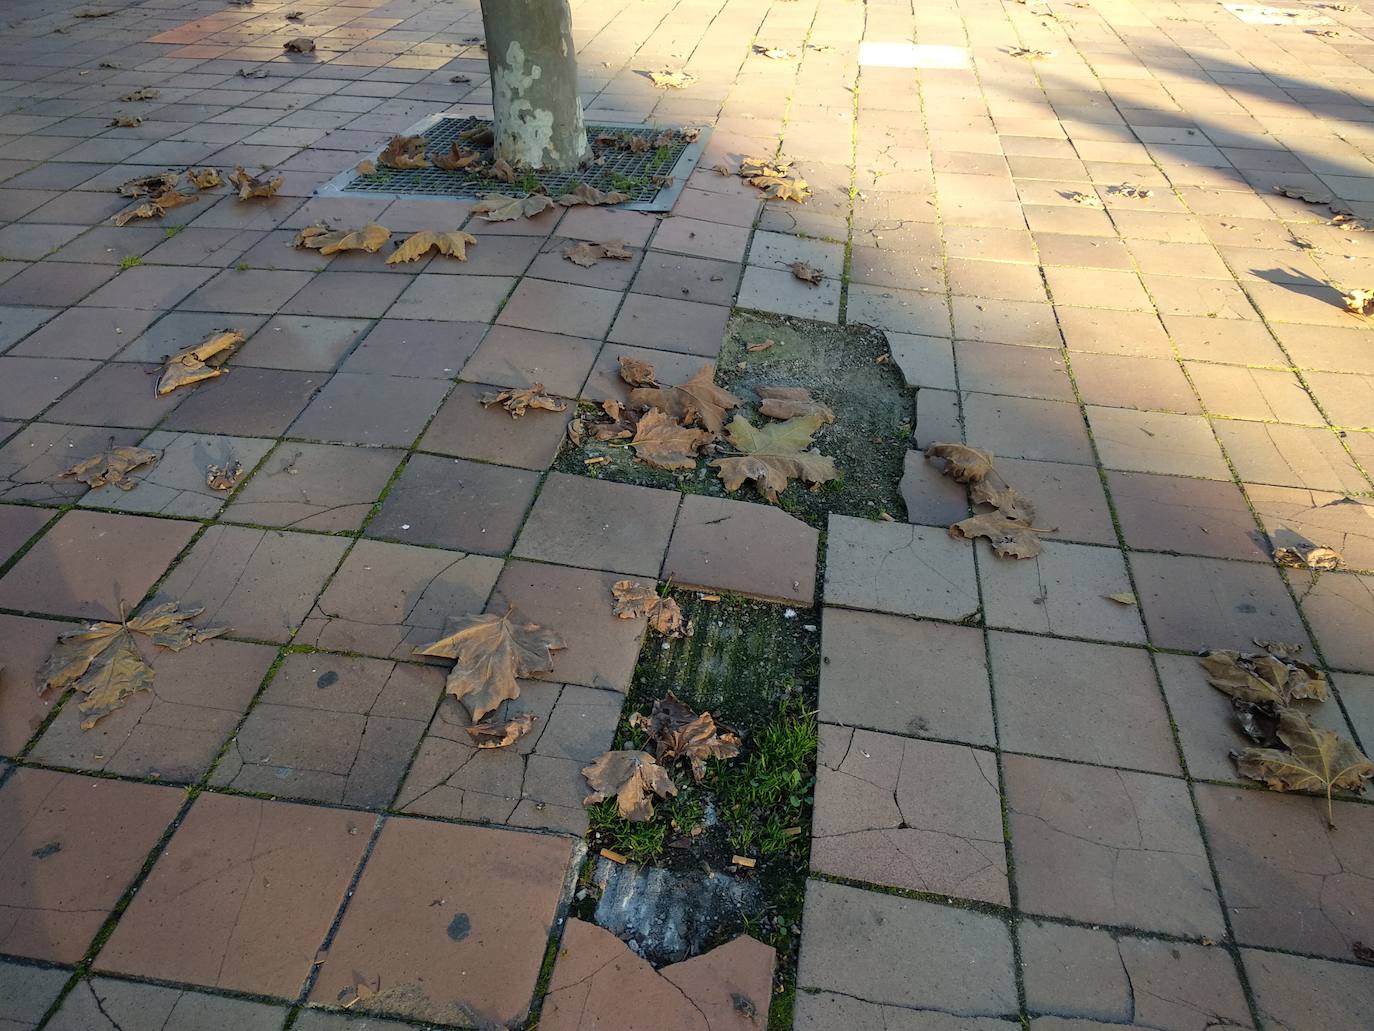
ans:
(634, 599)
(774, 53)
(294, 16)
(1305, 193)
(1307, 556)
(762, 345)
(518, 401)
(489, 653)
(496, 207)
(636, 373)
(774, 455)
(806, 273)
(456, 158)
(584, 194)
(103, 662)
(1361, 302)
(963, 463)
(404, 152)
(1316, 760)
(501, 169)
(146, 93)
(1122, 598)
(154, 207)
(791, 402)
(698, 400)
(223, 477)
(672, 80)
(148, 185)
(783, 189)
(112, 467)
(633, 778)
(125, 122)
(613, 408)
(320, 237)
(478, 136)
(1088, 200)
(1009, 537)
(1275, 677)
(665, 443)
(584, 254)
(500, 733)
(253, 186)
(200, 362)
(1002, 496)
(204, 178)
(676, 732)
(417, 245)
(577, 432)
(1027, 52)
(615, 250)
(299, 45)
(365, 167)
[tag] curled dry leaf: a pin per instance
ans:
(1133, 191)
(253, 186)
(500, 733)
(791, 402)
(1275, 677)
(495, 207)
(963, 463)
(256, 73)
(806, 273)
(200, 362)
(112, 467)
(676, 732)
(501, 169)
(634, 599)
(320, 237)
(1010, 537)
(294, 16)
(125, 122)
(1027, 52)
(146, 93)
(154, 207)
(517, 401)
(672, 80)
(635, 372)
(783, 189)
(577, 432)
(1002, 496)
(588, 254)
(774, 53)
(632, 777)
(223, 477)
(460, 79)
(1122, 598)
(148, 185)
(1315, 759)
(489, 653)
(1304, 193)
(204, 178)
(299, 45)
(1088, 200)
(698, 400)
(1308, 556)
(666, 444)
(456, 158)
(366, 167)
(584, 194)
(774, 455)
(404, 152)
(1361, 302)
(417, 245)
(478, 136)
(103, 661)
(762, 345)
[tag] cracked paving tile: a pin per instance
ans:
(1293, 993)
(176, 483)
(323, 487)
(333, 729)
(909, 814)
(26, 992)
(907, 570)
(1060, 591)
(1340, 609)
(825, 1011)
(1332, 520)
(103, 1004)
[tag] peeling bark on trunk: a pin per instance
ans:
(538, 113)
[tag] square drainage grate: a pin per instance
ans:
(652, 178)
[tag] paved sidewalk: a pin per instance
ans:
(1024, 809)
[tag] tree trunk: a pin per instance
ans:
(538, 113)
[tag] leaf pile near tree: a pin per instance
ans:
(674, 732)
(1006, 520)
(104, 663)
(1290, 753)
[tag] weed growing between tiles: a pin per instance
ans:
(845, 368)
(754, 666)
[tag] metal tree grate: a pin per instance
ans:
(652, 178)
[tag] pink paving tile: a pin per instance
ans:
(560, 308)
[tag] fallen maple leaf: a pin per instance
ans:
(791, 402)
(633, 778)
(1307, 556)
(500, 733)
(496, 207)
(1010, 537)
(1002, 496)
(103, 662)
(253, 186)
(1088, 200)
(154, 207)
(634, 599)
(456, 158)
(200, 362)
(501, 170)
(1316, 760)
(783, 189)
(112, 467)
(320, 237)
(1276, 677)
(676, 732)
(146, 93)
(417, 245)
(672, 80)
(806, 273)
(584, 254)
(584, 194)
(517, 401)
(204, 178)
(963, 463)
(125, 122)
(489, 653)
(665, 443)
(698, 400)
(773, 455)
(635, 372)
(147, 185)
(404, 152)
(299, 45)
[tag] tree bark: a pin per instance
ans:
(538, 114)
